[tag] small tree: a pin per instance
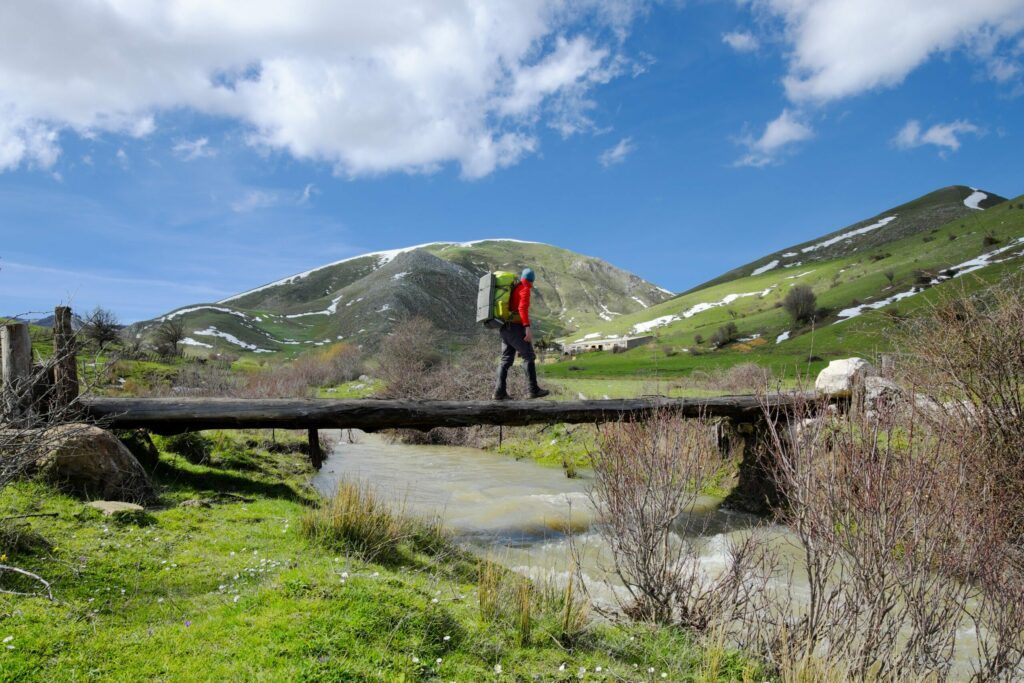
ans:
(169, 334)
(890, 276)
(102, 327)
(801, 303)
(725, 334)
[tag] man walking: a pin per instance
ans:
(517, 337)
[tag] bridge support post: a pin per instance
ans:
(316, 453)
(756, 491)
(16, 394)
(65, 370)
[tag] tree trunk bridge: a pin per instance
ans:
(175, 415)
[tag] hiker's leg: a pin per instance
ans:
(517, 339)
(508, 357)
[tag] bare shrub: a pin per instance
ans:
(726, 334)
(101, 328)
(968, 354)
(646, 478)
(168, 335)
(747, 378)
(417, 362)
(801, 303)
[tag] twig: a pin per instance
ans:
(36, 577)
(37, 514)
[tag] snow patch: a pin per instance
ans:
(766, 267)
(789, 253)
(230, 338)
(850, 234)
(383, 257)
(640, 301)
(782, 337)
(958, 270)
(219, 309)
(330, 310)
(189, 341)
(399, 276)
(975, 199)
(694, 310)
(793, 277)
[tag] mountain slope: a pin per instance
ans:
(361, 298)
(859, 281)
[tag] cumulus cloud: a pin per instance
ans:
(617, 154)
(741, 41)
(942, 135)
(844, 47)
(190, 150)
(368, 88)
(777, 139)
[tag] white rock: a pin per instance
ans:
(841, 377)
(112, 507)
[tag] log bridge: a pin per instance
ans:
(743, 417)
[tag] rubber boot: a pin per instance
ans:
(531, 375)
(500, 391)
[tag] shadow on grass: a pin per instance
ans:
(170, 475)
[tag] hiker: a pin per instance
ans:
(517, 337)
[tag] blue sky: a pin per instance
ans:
(212, 147)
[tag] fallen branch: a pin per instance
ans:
(35, 577)
(37, 514)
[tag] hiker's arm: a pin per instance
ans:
(529, 335)
(524, 305)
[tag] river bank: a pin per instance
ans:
(217, 582)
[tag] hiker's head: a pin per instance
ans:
(528, 275)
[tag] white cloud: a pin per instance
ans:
(741, 41)
(368, 88)
(844, 47)
(617, 154)
(778, 137)
(190, 150)
(255, 199)
(945, 135)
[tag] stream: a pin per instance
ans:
(522, 514)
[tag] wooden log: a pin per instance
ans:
(65, 371)
(316, 454)
(172, 415)
(16, 348)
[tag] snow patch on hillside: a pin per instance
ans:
(782, 337)
(958, 270)
(212, 331)
(192, 309)
(850, 234)
(330, 310)
(766, 267)
(793, 277)
(694, 310)
(383, 257)
(974, 200)
(189, 341)
(640, 301)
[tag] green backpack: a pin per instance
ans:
(494, 297)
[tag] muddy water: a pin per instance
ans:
(516, 512)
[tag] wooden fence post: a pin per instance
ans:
(65, 371)
(316, 454)
(16, 347)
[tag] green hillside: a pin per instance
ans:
(359, 300)
(851, 282)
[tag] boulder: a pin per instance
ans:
(92, 462)
(109, 508)
(842, 377)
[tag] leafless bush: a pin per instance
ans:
(743, 378)
(101, 328)
(800, 303)
(417, 362)
(968, 354)
(646, 478)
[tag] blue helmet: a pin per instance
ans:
(528, 275)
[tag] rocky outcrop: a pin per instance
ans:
(842, 378)
(92, 462)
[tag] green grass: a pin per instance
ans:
(236, 592)
(838, 283)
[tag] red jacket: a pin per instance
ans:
(520, 301)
